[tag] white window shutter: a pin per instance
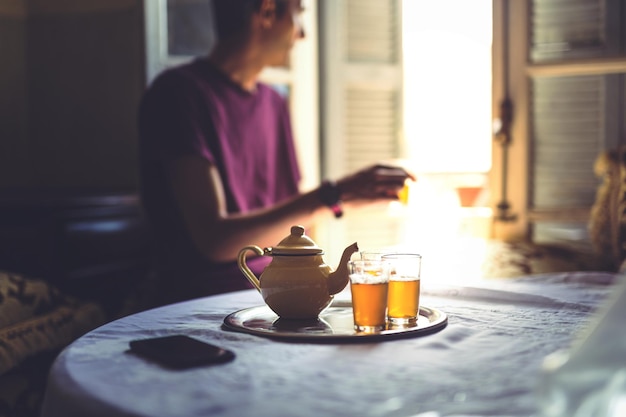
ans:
(569, 29)
(361, 108)
(568, 131)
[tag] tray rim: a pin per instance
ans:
(438, 321)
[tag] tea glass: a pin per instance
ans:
(369, 280)
(371, 256)
(376, 255)
(404, 288)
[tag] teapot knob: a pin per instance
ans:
(297, 230)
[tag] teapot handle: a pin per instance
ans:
(241, 261)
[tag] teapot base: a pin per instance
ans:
(293, 308)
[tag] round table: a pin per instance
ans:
(485, 362)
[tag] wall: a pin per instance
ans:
(71, 76)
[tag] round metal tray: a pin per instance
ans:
(335, 324)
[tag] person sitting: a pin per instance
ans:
(218, 169)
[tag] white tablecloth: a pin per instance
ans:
(484, 363)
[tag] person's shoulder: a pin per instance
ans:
(173, 85)
(177, 76)
(272, 93)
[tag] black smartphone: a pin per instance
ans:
(180, 351)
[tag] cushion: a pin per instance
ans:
(22, 298)
(36, 317)
(50, 331)
(607, 223)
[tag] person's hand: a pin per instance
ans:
(377, 182)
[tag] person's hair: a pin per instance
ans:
(231, 17)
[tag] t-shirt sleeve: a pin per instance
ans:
(172, 119)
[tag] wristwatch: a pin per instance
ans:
(330, 196)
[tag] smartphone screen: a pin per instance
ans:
(180, 351)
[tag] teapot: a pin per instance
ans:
(297, 284)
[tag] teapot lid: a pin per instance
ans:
(297, 243)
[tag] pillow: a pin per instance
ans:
(36, 317)
(51, 331)
(22, 298)
(607, 223)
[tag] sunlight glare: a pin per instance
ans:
(447, 77)
(447, 104)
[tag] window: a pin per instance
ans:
(447, 84)
(566, 68)
(394, 89)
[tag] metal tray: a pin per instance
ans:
(335, 324)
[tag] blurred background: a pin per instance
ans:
(501, 108)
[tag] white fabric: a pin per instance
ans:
(486, 362)
(590, 378)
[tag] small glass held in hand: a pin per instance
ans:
(404, 288)
(369, 280)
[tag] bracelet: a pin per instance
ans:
(330, 196)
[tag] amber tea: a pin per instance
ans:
(404, 288)
(403, 299)
(369, 282)
(369, 302)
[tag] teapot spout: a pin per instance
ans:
(338, 280)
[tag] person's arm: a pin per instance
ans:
(219, 235)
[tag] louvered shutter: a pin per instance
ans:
(371, 126)
(568, 132)
(362, 106)
(573, 117)
(563, 29)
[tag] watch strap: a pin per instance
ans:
(330, 196)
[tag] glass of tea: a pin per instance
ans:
(371, 256)
(403, 300)
(369, 280)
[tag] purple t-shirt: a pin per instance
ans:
(195, 109)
